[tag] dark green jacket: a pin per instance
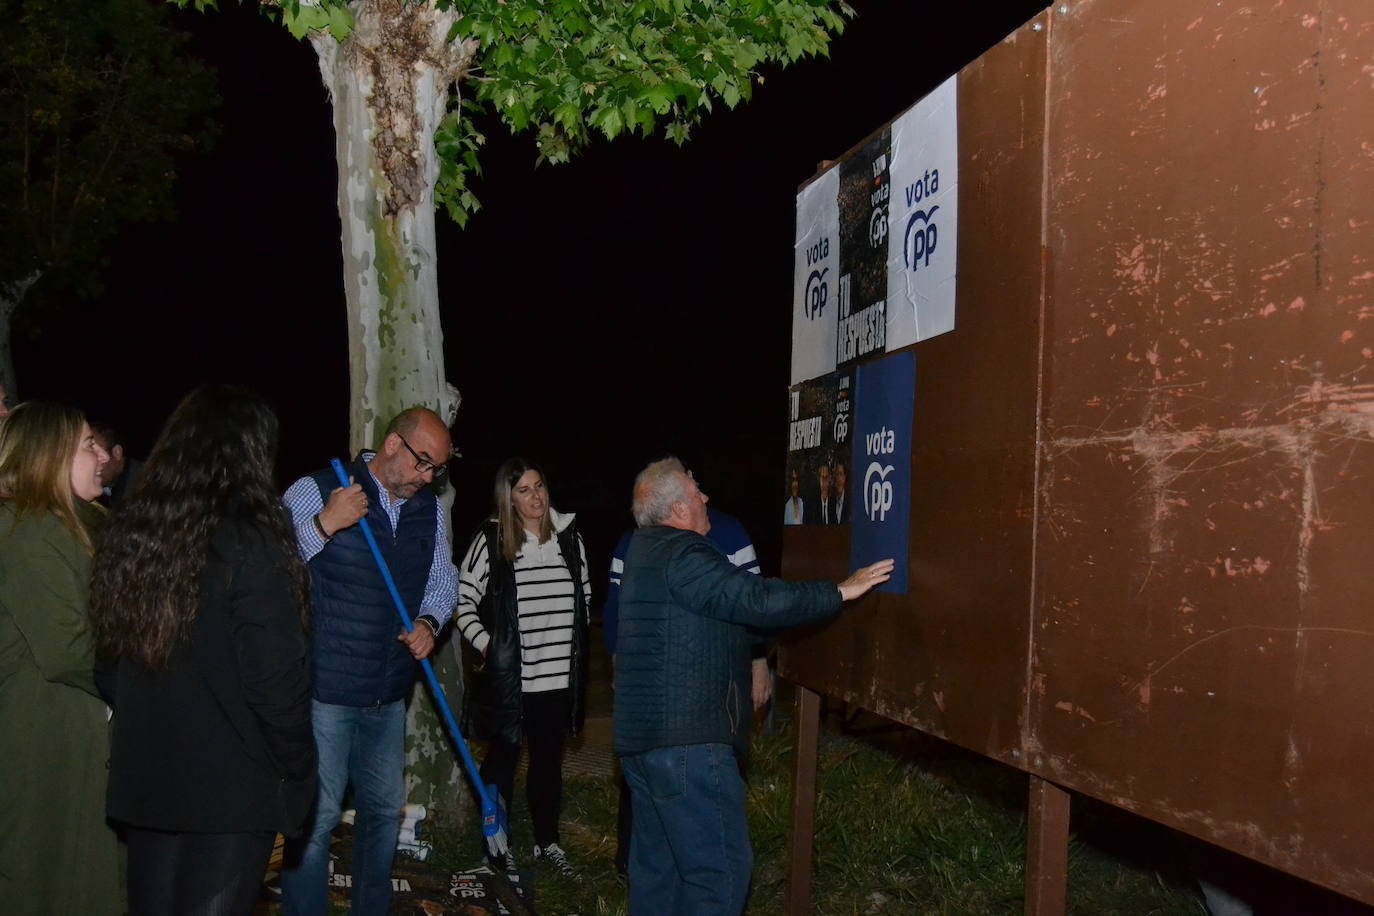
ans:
(682, 659)
(57, 856)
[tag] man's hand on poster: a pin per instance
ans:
(866, 578)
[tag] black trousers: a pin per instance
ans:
(546, 728)
(196, 874)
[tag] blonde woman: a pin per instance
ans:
(523, 591)
(56, 853)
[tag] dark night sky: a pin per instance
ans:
(635, 301)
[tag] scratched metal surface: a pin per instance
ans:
(1196, 642)
(950, 657)
(1203, 649)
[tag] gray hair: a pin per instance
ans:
(657, 487)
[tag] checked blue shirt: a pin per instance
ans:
(441, 589)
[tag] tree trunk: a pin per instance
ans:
(11, 295)
(389, 82)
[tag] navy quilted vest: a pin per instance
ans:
(357, 660)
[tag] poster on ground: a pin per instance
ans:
(417, 886)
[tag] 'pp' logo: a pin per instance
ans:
(921, 235)
(877, 227)
(817, 293)
(877, 491)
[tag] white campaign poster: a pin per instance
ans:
(815, 281)
(923, 219)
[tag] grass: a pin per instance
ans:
(905, 824)
(908, 824)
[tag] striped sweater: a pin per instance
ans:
(544, 596)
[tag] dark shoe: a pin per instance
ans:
(504, 862)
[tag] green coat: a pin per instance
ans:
(56, 853)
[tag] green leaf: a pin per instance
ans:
(461, 29)
(608, 119)
(569, 115)
(340, 22)
(304, 19)
(629, 113)
(659, 98)
(647, 121)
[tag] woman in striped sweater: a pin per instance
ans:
(523, 594)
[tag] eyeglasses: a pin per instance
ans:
(424, 465)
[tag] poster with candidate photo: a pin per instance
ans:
(820, 416)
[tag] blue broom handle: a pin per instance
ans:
(438, 691)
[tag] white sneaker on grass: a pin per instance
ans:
(556, 857)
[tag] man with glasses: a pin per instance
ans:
(363, 662)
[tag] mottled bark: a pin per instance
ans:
(390, 82)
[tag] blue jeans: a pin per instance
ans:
(365, 746)
(689, 849)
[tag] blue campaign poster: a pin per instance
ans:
(885, 394)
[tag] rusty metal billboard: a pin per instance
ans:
(1137, 559)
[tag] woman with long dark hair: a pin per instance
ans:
(202, 602)
(523, 592)
(57, 856)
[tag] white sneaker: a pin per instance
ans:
(555, 856)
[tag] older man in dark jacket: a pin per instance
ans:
(682, 694)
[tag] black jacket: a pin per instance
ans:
(220, 740)
(492, 702)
